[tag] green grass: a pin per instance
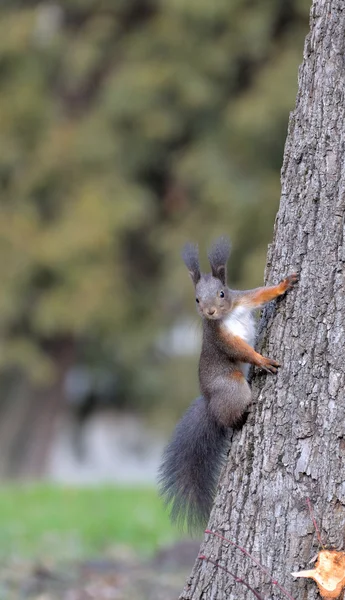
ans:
(55, 522)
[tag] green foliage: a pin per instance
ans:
(128, 127)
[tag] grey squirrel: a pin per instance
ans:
(192, 460)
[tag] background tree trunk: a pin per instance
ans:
(293, 445)
(29, 415)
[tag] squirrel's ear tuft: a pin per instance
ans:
(218, 256)
(190, 256)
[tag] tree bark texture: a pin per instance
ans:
(293, 444)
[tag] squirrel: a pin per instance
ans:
(191, 462)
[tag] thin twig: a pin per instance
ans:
(314, 522)
(258, 564)
(237, 579)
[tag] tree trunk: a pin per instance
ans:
(28, 417)
(293, 444)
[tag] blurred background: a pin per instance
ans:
(127, 128)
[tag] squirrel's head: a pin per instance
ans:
(211, 291)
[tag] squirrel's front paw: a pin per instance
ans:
(268, 364)
(288, 282)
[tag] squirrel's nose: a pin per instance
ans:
(211, 311)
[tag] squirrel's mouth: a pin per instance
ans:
(211, 314)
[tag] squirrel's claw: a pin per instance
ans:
(269, 365)
(289, 282)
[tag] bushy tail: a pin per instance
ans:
(191, 465)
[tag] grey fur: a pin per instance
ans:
(228, 396)
(207, 292)
(191, 465)
(192, 460)
(218, 256)
(190, 256)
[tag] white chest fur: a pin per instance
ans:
(241, 322)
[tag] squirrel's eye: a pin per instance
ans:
(197, 300)
(221, 294)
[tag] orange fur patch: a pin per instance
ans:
(237, 375)
(265, 294)
(238, 349)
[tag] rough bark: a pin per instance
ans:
(293, 445)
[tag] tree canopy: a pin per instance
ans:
(127, 128)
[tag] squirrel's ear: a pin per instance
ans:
(190, 256)
(218, 256)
